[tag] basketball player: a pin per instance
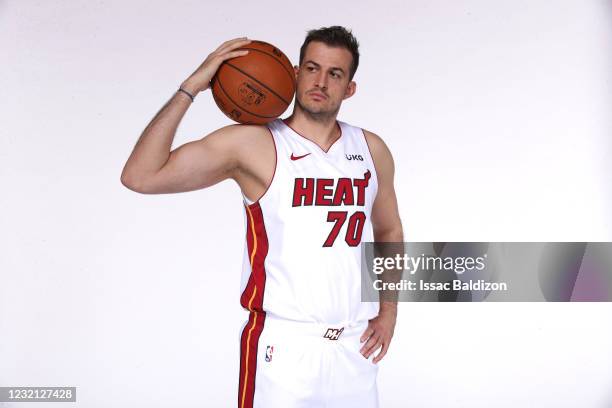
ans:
(313, 188)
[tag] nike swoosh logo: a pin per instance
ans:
(298, 157)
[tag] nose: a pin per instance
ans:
(321, 80)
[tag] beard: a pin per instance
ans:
(317, 114)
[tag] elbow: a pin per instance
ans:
(393, 234)
(132, 182)
(143, 184)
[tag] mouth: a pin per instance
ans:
(317, 95)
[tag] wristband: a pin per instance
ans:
(186, 93)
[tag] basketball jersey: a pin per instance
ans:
(302, 258)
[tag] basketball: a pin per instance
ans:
(255, 88)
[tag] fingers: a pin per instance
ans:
(200, 79)
(378, 334)
(234, 54)
(366, 334)
(227, 51)
(374, 342)
(229, 42)
(383, 351)
(375, 339)
(232, 45)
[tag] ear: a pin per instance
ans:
(351, 88)
(296, 70)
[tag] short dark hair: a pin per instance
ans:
(335, 36)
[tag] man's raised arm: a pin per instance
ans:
(153, 169)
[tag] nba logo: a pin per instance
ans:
(269, 351)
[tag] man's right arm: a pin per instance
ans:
(153, 169)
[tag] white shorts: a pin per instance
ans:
(289, 364)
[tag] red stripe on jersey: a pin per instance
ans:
(252, 300)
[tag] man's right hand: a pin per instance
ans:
(200, 79)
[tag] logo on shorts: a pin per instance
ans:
(269, 351)
(333, 334)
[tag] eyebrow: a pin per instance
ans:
(318, 66)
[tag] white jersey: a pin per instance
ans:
(302, 258)
(301, 278)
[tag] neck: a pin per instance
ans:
(321, 129)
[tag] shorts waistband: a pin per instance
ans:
(315, 329)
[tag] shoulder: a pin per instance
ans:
(238, 139)
(252, 150)
(238, 132)
(237, 143)
(378, 148)
(375, 143)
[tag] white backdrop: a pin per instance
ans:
(498, 116)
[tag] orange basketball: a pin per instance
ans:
(255, 88)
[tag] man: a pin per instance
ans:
(314, 188)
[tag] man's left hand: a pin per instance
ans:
(379, 333)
